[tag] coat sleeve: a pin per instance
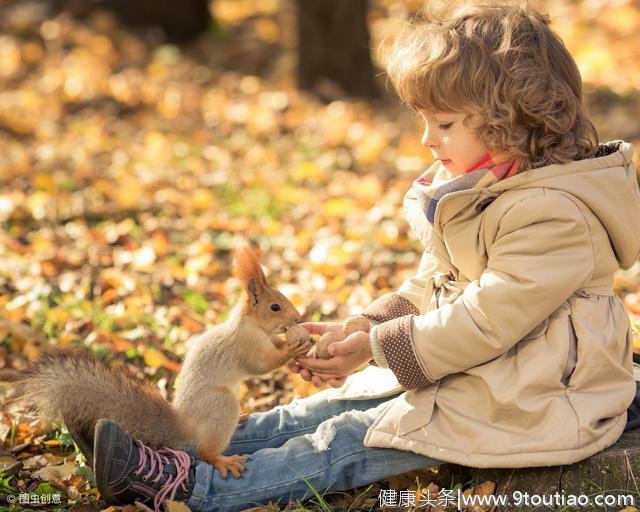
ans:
(541, 255)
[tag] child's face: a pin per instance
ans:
(451, 142)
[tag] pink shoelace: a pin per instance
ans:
(159, 458)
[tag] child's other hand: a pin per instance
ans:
(347, 356)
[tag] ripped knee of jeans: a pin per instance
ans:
(324, 435)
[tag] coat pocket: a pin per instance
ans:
(572, 354)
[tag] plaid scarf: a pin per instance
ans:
(485, 173)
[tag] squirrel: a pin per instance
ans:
(75, 387)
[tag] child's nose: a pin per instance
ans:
(427, 139)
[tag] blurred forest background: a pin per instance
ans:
(134, 158)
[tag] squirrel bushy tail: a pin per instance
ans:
(77, 388)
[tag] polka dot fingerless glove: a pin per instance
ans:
(390, 305)
(394, 338)
(391, 342)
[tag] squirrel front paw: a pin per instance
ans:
(298, 341)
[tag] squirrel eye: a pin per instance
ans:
(275, 307)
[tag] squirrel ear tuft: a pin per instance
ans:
(246, 267)
(252, 288)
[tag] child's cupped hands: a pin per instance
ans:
(347, 356)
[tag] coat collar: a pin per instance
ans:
(592, 191)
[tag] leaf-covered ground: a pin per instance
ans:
(130, 168)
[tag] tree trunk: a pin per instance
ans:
(333, 44)
(181, 21)
(612, 472)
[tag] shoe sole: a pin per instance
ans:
(101, 465)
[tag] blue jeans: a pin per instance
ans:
(309, 439)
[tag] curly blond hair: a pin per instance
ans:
(504, 67)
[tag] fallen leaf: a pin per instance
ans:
(154, 358)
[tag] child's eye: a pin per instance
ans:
(445, 126)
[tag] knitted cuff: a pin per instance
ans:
(394, 337)
(379, 358)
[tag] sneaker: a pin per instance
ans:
(127, 471)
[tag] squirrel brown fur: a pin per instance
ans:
(76, 388)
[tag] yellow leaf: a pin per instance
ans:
(338, 283)
(32, 351)
(369, 149)
(267, 30)
(10, 61)
(593, 59)
(177, 270)
(305, 170)
(38, 203)
(154, 358)
(203, 199)
(368, 188)
(15, 314)
(621, 19)
(291, 195)
(41, 245)
(272, 227)
(155, 143)
(128, 193)
(244, 392)
(45, 182)
(58, 315)
(66, 338)
(176, 506)
(161, 243)
(338, 207)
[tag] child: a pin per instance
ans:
(508, 347)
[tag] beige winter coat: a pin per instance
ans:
(524, 353)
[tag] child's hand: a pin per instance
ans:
(315, 379)
(347, 356)
(320, 328)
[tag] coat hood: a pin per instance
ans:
(607, 184)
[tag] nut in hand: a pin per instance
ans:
(298, 341)
(355, 324)
(323, 344)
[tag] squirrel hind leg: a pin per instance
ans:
(225, 464)
(82, 435)
(85, 444)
